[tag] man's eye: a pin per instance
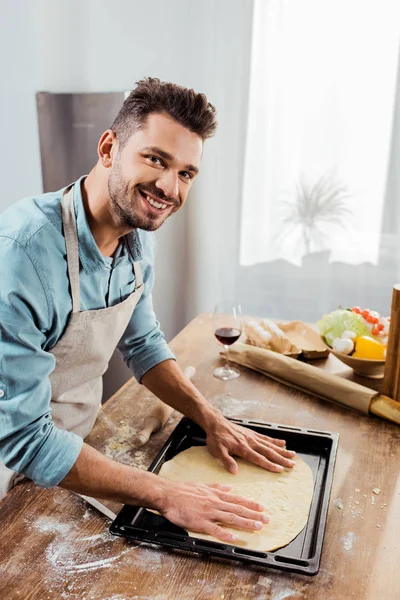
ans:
(155, 160)
(186, 175)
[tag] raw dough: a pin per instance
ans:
(286, 496)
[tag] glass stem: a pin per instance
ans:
(227, 357)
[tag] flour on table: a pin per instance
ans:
(52, 525)
(121, 442)
(347, 541)
(120, 447)
(234, 407)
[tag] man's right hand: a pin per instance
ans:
(206, 508)
(201, 508)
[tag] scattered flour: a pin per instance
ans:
(52, 525)
(265, 582)
(338, 503)
(233, 407)
(347, 541)
(71, 554)
(87, 553)
(288, 593)
(120, 447)
(98, 564)
(121, 442)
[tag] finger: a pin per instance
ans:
(241, 511)
(276, 441)
(220, 533)
(227, 460)
(261, 461)
(279, 450)
(274, 456)
(233, 520)
(243, 501)
(268, 442)
(284, 452)
(220, 486)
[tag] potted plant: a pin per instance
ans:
(314, 206)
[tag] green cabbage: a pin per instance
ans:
(332, 325)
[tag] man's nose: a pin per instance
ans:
(169, 184)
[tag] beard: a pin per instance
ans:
(123, 200)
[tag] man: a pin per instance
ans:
(76, 275)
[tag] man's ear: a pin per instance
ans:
(106, 148)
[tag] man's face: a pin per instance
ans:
(152, 175)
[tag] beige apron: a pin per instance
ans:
(83, 352)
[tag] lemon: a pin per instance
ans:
(367, 347)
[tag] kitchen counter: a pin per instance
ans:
(53, 545)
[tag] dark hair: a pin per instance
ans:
(151, 95)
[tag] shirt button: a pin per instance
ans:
(2, 392)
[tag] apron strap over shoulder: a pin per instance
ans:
(138, 275)
(71, 242)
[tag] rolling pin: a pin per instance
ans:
(158, 416)
(391, 380)
(311, 380)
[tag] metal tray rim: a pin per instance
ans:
(193, 544)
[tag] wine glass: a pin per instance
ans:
(227, 328)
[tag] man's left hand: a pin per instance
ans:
(226, 439)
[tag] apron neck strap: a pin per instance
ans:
(138, 274)
(71, 242)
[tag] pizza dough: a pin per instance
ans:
(286, 496)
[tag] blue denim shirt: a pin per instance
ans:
(35, 305)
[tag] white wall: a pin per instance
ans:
(20, 158)
(96, 45)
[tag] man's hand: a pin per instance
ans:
(226, 439)
(202, 508)
(206, 508)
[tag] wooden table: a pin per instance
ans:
(52, 545)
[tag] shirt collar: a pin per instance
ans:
(89, 254)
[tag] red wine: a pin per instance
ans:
(227, 335)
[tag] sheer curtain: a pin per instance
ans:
(319, 223)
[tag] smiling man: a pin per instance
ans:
(76, 275)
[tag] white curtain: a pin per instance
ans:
(320, 122)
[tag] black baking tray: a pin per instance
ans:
(317, 448)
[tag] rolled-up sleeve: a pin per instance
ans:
(30, 443)
(143, 344)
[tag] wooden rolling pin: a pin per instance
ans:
(158, 416)
(311, 380)
(391, 381)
